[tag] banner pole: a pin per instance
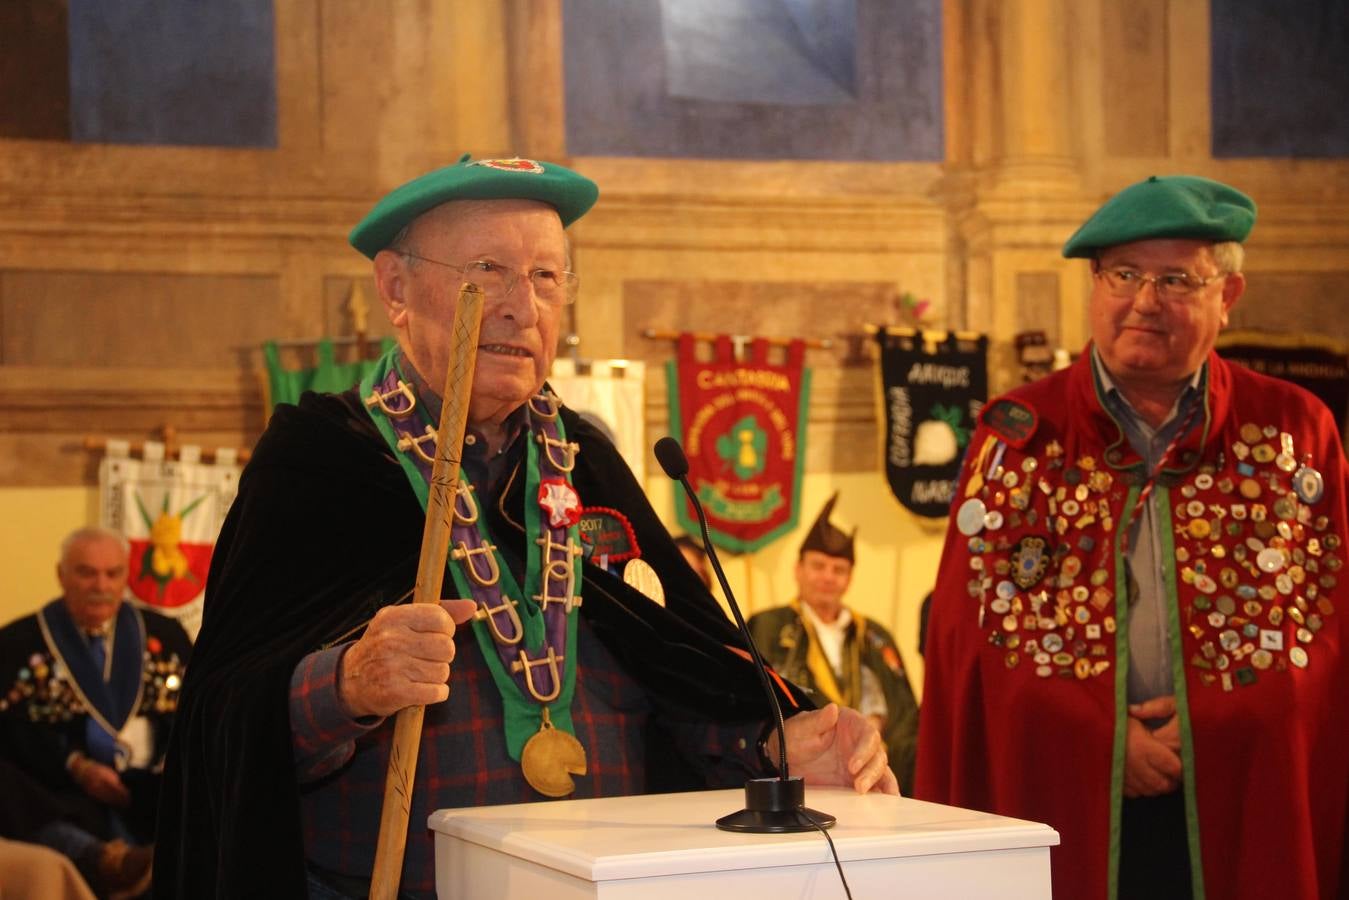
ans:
(749, 582)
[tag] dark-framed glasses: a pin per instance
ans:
(555, 287)
(1125, 282)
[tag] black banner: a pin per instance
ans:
(1309, 361)
(931, 393)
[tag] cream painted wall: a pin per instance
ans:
(33, 522)
(897, 556)
(897, 553)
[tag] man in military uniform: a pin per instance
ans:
(839, 655)
(1137, 634)
(90, 688)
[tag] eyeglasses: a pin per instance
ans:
(1173, 285)
(554, 287)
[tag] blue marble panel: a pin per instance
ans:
(1280, 78)
(754, 79)
(802, 52)
(191, 72)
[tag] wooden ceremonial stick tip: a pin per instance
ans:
(398, 784)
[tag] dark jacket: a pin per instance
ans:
(325, 530)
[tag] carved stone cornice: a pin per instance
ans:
(48, 411)
(1303, 226)
(50, 213)
(798, 224)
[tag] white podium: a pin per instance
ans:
(665, 846)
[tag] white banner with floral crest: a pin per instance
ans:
(171, 512)
(610, 394)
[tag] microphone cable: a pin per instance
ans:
(802, 814)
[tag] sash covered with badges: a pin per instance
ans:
(930, 396)
(527, 633)
(1253, 555)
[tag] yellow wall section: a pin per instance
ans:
(897, 554)
(32, 523)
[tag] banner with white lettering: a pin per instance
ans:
(743, 427)
(931, 391)
(171, 511)
(610, 394)
(1314, 362)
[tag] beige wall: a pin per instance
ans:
(110, 255)
(896, 555)
(33, 521)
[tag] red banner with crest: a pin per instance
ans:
(742, 425)
(171, 511)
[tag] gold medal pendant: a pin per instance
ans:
(550, 758)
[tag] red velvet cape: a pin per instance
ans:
(1267, 761)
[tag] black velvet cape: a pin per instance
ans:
(325, 530)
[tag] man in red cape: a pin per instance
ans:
(1137, 634)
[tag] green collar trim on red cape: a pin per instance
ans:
(1119, 746)
(1182, 691)
(1162, 497)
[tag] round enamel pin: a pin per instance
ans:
(1309, 485)
(970, 517)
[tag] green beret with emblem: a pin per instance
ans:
(1166, 206)
(569, 193)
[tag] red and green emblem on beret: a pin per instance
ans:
(514, 164)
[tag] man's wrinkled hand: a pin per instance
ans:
(1151, 768)
(403, 659)
(1160, 708)
(836, 746)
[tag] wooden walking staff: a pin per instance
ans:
(407, 731)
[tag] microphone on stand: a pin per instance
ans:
(772, 805)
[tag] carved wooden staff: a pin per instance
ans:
(407, 731)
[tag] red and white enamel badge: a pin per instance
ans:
(560, 501)
(514, 164)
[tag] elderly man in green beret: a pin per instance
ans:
(276, 773)
(1137, 634)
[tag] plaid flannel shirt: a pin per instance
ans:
(341, 762)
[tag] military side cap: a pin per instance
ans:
(570, 194)
(1166, 206)
(825, 537)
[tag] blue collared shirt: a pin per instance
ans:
(1150, 673)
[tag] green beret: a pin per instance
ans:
(481, 179)
(1169, 206)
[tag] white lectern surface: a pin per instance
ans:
(666, 845)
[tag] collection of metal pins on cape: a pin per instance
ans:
(407, 733)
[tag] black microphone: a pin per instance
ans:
(772, 805)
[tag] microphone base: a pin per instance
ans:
(775, 806)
